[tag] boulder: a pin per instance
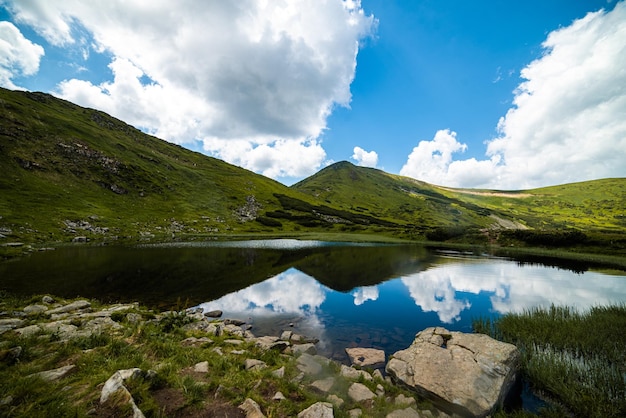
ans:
(251, 409)
(358, 392)
(464, 374)
(323, 386)
(318, 410)
(74, 306)
(213, 314)
(366, 357)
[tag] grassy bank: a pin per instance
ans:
(575, 359)
(186, 370)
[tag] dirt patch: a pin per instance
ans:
(172, 404)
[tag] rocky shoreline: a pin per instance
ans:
(441, 374)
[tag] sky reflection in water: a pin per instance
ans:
(450, 294)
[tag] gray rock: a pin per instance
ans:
(323, 386)
(309, 364)
(358, 392)
(355, 413)
(74, 306)
(35, 309)
(195, 342)
(251, 409)
(47, 300)
(286, 335)
(278, 396)
(115, 384)
(354, 374)
(235, 322)
(233, 330)
(11, 322)
(133, 318)
(464, 374)
(202, 367)
(271, 343)
(279, 373)
(54, 374)
(318, 410)
(402, 400)
(404, 413)
(213, 314)
(29, 331)
(335, 400)
(254, 364)
(215, 328)
(308, 348)
(366, 357)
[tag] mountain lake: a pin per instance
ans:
(345, 295)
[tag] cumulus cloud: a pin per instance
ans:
(365, 293)
(364, 158)
(264, 73)
(567, 121)
(18, 55)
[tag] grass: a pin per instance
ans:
(70, 171)
(171, 388)
(577, 359)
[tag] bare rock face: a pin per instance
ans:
(464, 374)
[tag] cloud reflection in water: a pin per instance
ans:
(509, 287)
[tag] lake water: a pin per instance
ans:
(345, 295)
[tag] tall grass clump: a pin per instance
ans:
(575, 358)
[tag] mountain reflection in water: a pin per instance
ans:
(344, 294)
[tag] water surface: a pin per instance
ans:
(343, 294)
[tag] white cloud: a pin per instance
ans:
(567, 123)
(365, 293)
(265, 73)
(18, 55)
(364, 158)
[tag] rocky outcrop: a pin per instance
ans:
(464, 374)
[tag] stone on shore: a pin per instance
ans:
(358, 392)
(251, 409)
(464, 374)
(366, 357)
(318, 410)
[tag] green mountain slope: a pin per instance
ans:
(550, 215)
(69, 171)
(410, 202)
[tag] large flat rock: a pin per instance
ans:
(464, 374)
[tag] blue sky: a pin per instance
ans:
(489, 94)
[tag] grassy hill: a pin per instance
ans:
(587, 213)
(69, 172)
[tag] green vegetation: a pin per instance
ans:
(75, 173)
(161, 345)
(578, 360)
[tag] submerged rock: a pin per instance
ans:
(464, 374)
